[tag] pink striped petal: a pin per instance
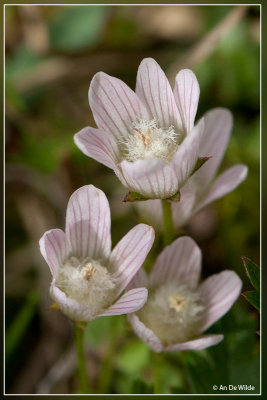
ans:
(140, 279)
(224, 184)
(187, 154)
(88, 223)
(144, 333)
(153, 88)
(218, 293)
(186, 93)
(218, 125)
(197, 344)
(182, 211)
(115, 106)
(70, 307)
(179, 262)
(55, 248)
(99, 145)
(153, 178)
(130, 253)
(130, 302)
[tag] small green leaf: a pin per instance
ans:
(134, 196)
(199, 163)
(175, 198)
(253, 297)
(252, 271)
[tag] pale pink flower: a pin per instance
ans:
(179, 309)
(87, 276)
(147, 137)
(202, 189)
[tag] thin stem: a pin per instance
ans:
(81, 360)
(168, 228)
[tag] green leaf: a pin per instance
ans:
(253, 297)
(199, 163)
(134, 196)
(77, 27)
(252, 271)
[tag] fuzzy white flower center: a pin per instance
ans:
(148, 140)
(88, 282)
(173, 312)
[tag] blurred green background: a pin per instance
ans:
(52, 53)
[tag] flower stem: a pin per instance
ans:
(168, 228)
(81, 360)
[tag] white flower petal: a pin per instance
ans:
(153, 88)
(115, 106)
(130, 302)
(68, 306)
(99, 145)
(224, 184)
(144, 333)
(197, 344)
(140, 279)
(218, 125)
(186, 93)
(153, 178)
(130, 253)
(55, 248)
(180, 262)
(88, 223)
(182, 211)
(185, 158)
(218, 293)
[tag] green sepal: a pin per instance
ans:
(134, 196)
(175, 197)
(253, 297)
(253, 272)
(199, 163)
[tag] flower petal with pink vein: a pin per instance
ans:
(146, 334)
(130, 253)
(197, 344)
(115, 106)
(88, 223)
(218, 293)
(224, 184)
(153, 88)
(130, 302)
(140, 279)
(153, 178)
(218, 125)
(179, 262)
(186, 93)
(55, 248)
(187, 154)
(99, 145)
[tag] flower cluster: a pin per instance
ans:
(150, 139)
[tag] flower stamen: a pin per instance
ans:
(177, 302)
(88, 271)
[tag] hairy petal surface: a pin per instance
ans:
(54, 247)
(197, 344)
(130, 253)
(153, 178)
(219, 292)
(88, 223)
(186, 93)
(154, 90)
(130, 302)
(99, 145)
(115, 106)
(224, 184)
(181, 261)
(146, 334)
